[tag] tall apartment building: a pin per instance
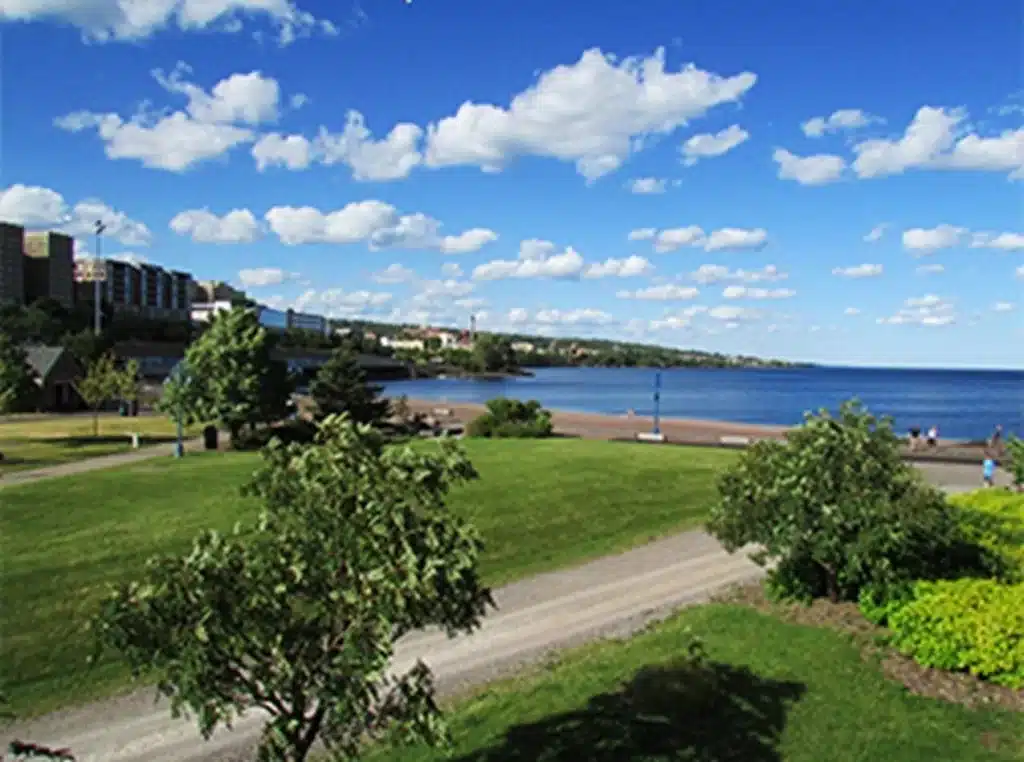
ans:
(145, 289)
(12, 268)
(49, 267)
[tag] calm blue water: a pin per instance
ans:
(964, 404)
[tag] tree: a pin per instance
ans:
(18, 389)
(493, 354)
(836, 509)
(298, 615)
(340, 386)
(507, 418)
(102, 382)
(232, 378)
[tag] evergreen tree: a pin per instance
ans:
(340, 386)
(18, 388)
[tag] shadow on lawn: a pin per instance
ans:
(711, 713)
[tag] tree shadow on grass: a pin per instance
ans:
(709, 713)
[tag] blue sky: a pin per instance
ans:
(429, 160)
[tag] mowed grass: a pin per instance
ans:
(39, 442)
(538, 504)
(773, 692)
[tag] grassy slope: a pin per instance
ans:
(49, 441)
(807, 696)
(539, 505)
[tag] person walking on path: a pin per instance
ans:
(995, 443)
(933, 436)
(988, 470)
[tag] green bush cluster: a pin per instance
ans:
(512, 419)
(994, 518)
(1015, 460)
(973, 625)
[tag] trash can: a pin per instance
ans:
(123, 409)
(210, 438)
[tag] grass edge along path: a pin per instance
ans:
(785, 691)
(539, 504)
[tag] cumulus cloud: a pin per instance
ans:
(37, 207)
(837, 121)
(929, 240)
(666, 292)
(724, 239)
(394, 273)
(1001, 241)
(708, 274)
(261, 277)
(1003, 307)
(933, 269)
(709, 145)
(928, 310)
(375, 223)
(594, 112)
(876, 233)
(818, 169)
(340, 303)
(859, 271)
(211, 124)
(537, 259)
(618, 268)
(752, 292)
(203, 226)
(851, 311)
(647, 185)
(1020, 272)
(130, 21)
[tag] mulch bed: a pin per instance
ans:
(954, 687)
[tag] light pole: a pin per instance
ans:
(179, 375)
(657, 403)
(97, 314)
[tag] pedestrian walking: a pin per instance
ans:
(988, 471)
(933, 436)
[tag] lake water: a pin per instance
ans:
(964, 404)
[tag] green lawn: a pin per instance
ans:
(37, 443)
(539, 505)
(774, 692)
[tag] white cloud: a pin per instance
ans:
(536, 260)
(237, 226)
(666, 292)
(337, 302)
(929, 240)
(928, 310)
(933, 269)
(618, 268)
(290, 151)
(261, 277)
(724, 239)
(1020, 272)
(708, 274)
(1001, 241)
(818, 169)
(375, 223)
(452, 269)
(594, 112)
(859, 271)
(36, 207)
(876, 233)
(647, 185)
(210, 125)
(130, 20)
(843, 119)
(583, 316)
(394, 273)
(1003, 307)
(732, 314)
(709, 145)
(851, 311)
(937, 138)
(749, 292)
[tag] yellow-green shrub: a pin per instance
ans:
(972, 625)
(994, 518)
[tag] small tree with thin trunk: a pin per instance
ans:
(102, 382)
(340, 386)
(18, 389)
(835, 509)
(298, 615)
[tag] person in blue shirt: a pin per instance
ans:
(988, 471)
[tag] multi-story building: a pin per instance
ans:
(303, 321)
(146, 289)
(203, 312)
(49, 267)
(211, 291)
(12, 267)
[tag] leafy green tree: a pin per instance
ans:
(18, 389)
(508, 418)
(1015, 461)
(836, 509)
(232, 377)
(340, 386)
(494, 354)
(102, 383)
(298, 615)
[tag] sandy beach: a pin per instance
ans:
(676, 430)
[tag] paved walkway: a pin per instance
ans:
(96, 464)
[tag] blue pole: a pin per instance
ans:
(179, 447)
(657, 403)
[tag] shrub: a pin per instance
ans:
(835, 508)
(1015, 460)
(878, 603)
(994, 518)
(972, 625)
(512, 419)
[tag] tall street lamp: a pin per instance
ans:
(97, 314)
(180, 376)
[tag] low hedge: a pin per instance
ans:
(972, 625)
(512, 419)
(994, 519)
